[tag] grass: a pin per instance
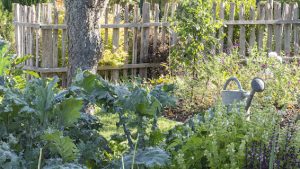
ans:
(109, 125)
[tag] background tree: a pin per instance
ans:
(85, 45)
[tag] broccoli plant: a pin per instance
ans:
(137, 107)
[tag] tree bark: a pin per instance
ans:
(85, 44)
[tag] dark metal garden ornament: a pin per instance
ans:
(235, 96)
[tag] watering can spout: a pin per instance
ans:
(257, 85)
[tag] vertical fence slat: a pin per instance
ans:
(252, 30)
(16, 9)
(230, 27)
(37, 35)
(47, 61)
(270, 29)
(26, 33)
(287, 29)
(144, 55)
(296, 29)
(55, 37)
(221, 30)
(126, 37)
(156, 19)
(22, 31)
(106, 37)
(116, 38)
(32, 20)
(135, 40)
(163, 29)
(173, 34)
(242, 32)
(63, 45)
(278, 28)
(106, 30)
(261, 16)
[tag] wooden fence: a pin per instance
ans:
(40, 32)
(270, 27)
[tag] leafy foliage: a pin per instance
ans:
(6, 26)
(225, 139)
(144, 158)
(64, 146)
(58, 164)
(8, 158)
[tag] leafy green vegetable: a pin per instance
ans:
(62, 145)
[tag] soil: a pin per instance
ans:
(289, 116)
(178, 114)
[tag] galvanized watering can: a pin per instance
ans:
(231, 96)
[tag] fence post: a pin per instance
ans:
(163, 29)
(126, 38)
(270, 32)
(144, 55)
(252, 30)
(55, 38)
(230, 28)
(261, 16)
(116, 37)
(135, 40)
(296, 29)
(47, 45)
(242, 32)
(156, 19)
(278, 28)
(287, 29)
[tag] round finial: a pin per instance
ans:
(258, 85)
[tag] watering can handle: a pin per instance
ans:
(235, 80)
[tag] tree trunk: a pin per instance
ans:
(85, 44)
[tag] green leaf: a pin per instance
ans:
(32, 73)
(68, 111)
(149, 157)
(58, 144)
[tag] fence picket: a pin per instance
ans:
(116, 38)
(252, 30)
(156, 29)
(144, 55)
(126, 38)
(242, 32)
(270, 29)
(135, 40)
(173, 34)
(287, 29)
(230, 28)
(261, 16)
(296, 29)
(278, 28)
(165, 19)
(55, 38)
